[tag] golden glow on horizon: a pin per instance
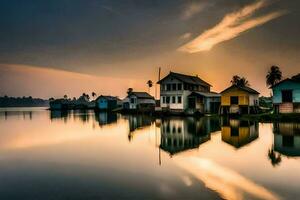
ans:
(231, 26)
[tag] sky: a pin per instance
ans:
(54, 47)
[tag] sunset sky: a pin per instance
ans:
(56, 47)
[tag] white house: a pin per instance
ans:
(139, 101)
(175, 91)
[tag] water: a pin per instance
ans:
(83, 155)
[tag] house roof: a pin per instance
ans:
(295, 79)
(186, 79)
(244, 88)
(108, 98)
(142, 95)
(206, 94)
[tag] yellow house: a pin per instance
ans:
(239, 133)
(237, 99)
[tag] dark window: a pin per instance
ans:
(174, 129)
(167, 99)
(179, 99)
(179, 86)
(185, 86)
(234, 100)
(168, 87)
(164, 99)
(288, 141)
(287, 96)
(132, 100)
(173, 99)
(179, 130)
(174, 86)
(168, 128)
(234, 131)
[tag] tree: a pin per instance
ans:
(273, 76)
(51, 99)
(274, 158)
(150, 84)
(65, 96)
(129, 90)
(239, 81)
(94, 95)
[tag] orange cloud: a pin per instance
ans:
(231, 26)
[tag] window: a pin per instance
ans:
(168, 87)
(173, 99)
(164, 99)
(179, 130)
(287, 96)
(132, 100)
(185, 86)
(167, 99)
(174, 86)
(179, 99)
(234, 100)
(179, 86)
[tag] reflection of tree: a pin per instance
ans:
(274, 157)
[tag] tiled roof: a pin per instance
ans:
(245, 88)
(295, 78)
(143, 95)
(207, 94)
(187, 79)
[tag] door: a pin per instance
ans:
(192, 103)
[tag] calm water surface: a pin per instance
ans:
(83, 155)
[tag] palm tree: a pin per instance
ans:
(239, 81)
(274, 76)
(129, 90)
(150, 84)
(274, 158)
(94, 95)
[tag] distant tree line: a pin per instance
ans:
(6, 101)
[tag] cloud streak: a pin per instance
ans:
(231, 26)
(192, 9)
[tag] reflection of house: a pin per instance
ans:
(236, 99)
(137, 122)
(178, 134)
(106, 102)
(175, 90)
(287, 138)
(106, 118)
(59, 104)
(139, 101)
(58, 114)
(239, 133)
(286, 95)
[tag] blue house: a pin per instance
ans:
(286, 95)
(106, 102)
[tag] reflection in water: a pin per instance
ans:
(239, 133)
(55, 147)
(228, 183)
(137, 122)
(181, 134)
(106, 118)
(287, 138)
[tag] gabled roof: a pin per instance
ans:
(110, 98)
(206, 94)
(186, 79)
(244, 88)
(142, 95)
(295, 79)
